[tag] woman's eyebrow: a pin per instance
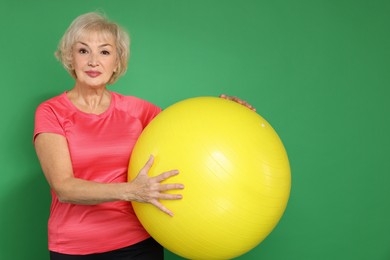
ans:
(105, 44)
(102, 45)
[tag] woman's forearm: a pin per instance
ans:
(78, 191)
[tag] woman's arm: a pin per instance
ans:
(53, 154)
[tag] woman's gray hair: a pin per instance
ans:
(94, 22)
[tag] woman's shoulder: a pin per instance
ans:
(131, 101)
(136, 107)
(54, 102)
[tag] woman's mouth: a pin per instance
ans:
(93, 73)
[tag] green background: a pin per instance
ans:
(318, 71)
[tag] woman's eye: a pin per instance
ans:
(83, 51)
(105, 52)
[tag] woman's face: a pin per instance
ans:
(94, 60)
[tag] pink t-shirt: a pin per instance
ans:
(100, 147)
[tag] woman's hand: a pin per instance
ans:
(150, 189)
(239, 101)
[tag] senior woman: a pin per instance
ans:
(84, 138)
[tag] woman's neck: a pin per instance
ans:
(90, 100)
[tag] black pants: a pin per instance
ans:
(148, 249)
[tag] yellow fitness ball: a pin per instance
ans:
(236, 175)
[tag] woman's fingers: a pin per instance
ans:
(147, 165)
(166, 175)
(238, 100)
(163, 187)
(171, 186)
(161, 207)
(152, 190)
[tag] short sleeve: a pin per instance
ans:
(46, 121)
(141, 109)
(150, 112)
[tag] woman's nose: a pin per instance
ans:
(93, 61)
